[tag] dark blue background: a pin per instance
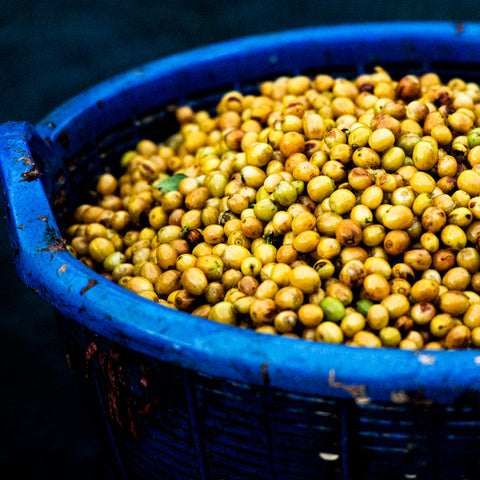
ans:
(50, 51)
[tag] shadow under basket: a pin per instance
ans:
(181, 397)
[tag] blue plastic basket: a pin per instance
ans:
(187, 398)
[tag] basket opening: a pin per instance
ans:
(338, 71)
(398, 69)
(469, 72)
(207, 98)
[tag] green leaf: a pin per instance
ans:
(170, 184)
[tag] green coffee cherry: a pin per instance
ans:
(265, 209)
(363, 306)
(333, 309)
(473, 138)
(285, 194)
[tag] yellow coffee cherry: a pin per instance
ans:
(397, 217)
(441, 324)
(310, 315)
(329, 332)
(376, 287)
(469, 182)
(139, 284)
(396, 305)
(390, 336)
(366, 339)
(424, 155)
(381, 139)
(305, 278)
(306, 242)
(194, 281)
(422, 182)
(342, 201)
(425, 290)
(454, 237)
(471, 318)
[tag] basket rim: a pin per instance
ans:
(202, 345)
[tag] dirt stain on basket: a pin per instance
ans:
(358, 392)
(64, 138)
(31, 175)
(124, 406)
(91, 283)
(58, 244)
(265, 376)
(399, 397)
(26, 160)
